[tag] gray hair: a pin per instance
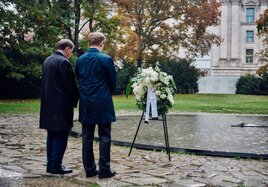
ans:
(64, 43)
(96, 38)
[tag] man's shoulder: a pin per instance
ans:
(83, 56)
(56, 56)
(99, 55)
(56, 59)
(104, 56)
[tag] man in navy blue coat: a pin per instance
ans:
(58, 99)
(97, 78)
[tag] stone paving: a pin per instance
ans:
(23, 163)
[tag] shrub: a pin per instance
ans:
(26, 88)
(123, 76)
(184, 74)
(248, 84)
(264, 84)
(262, 72)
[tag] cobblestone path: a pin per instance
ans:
(23, 163)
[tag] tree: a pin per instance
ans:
(101, 16)
(163, 27)
(29, 31)
(262, 27)
(184, 74)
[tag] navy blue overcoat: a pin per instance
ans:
(97, 79)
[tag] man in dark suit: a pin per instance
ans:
(59, 97)
(97, 77)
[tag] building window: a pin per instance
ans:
(250, 36)
(249, 56)
(250, 15)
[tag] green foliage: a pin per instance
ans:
(129, 88)
(264, 84)
(123, 76)
(254, 84)
(262, 22)
(184, 74)
(248, 84)
(29, 32)
(100, 16)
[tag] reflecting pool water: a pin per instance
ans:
(213, 132)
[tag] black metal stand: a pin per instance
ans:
(164, 120)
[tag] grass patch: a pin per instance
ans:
(20, 106)
(210, 103)
(221, 103)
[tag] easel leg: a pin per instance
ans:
(136, 134)
(166, 135)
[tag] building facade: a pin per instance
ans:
(237, 53)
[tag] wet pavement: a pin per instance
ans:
(23, 163)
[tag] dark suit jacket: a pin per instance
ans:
(97, 79)
(59, 93)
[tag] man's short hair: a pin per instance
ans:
(96, 38)
(64, 43)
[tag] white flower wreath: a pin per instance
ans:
(153, 78)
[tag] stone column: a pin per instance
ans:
(223, 29)
(234, 47)
(229, 31)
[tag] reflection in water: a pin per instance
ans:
(212, 132)
(206, 131)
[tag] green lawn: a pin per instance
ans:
(211, 103)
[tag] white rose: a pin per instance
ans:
(134, 85)
(170, 98)
(157, 92)
(163, 96)
(147, 80)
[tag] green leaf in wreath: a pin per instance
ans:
(174, 85)
(129, 88)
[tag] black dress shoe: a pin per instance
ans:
(107, 175)
(92, 174)
(61, 170)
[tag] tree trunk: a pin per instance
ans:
(139, 58)
(139, 61)
(90, 25)
(77, 4)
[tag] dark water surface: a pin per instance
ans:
(211, 132)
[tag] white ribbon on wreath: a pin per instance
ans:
(151, 105)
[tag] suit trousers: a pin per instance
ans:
(104, 131)
(56, 145)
